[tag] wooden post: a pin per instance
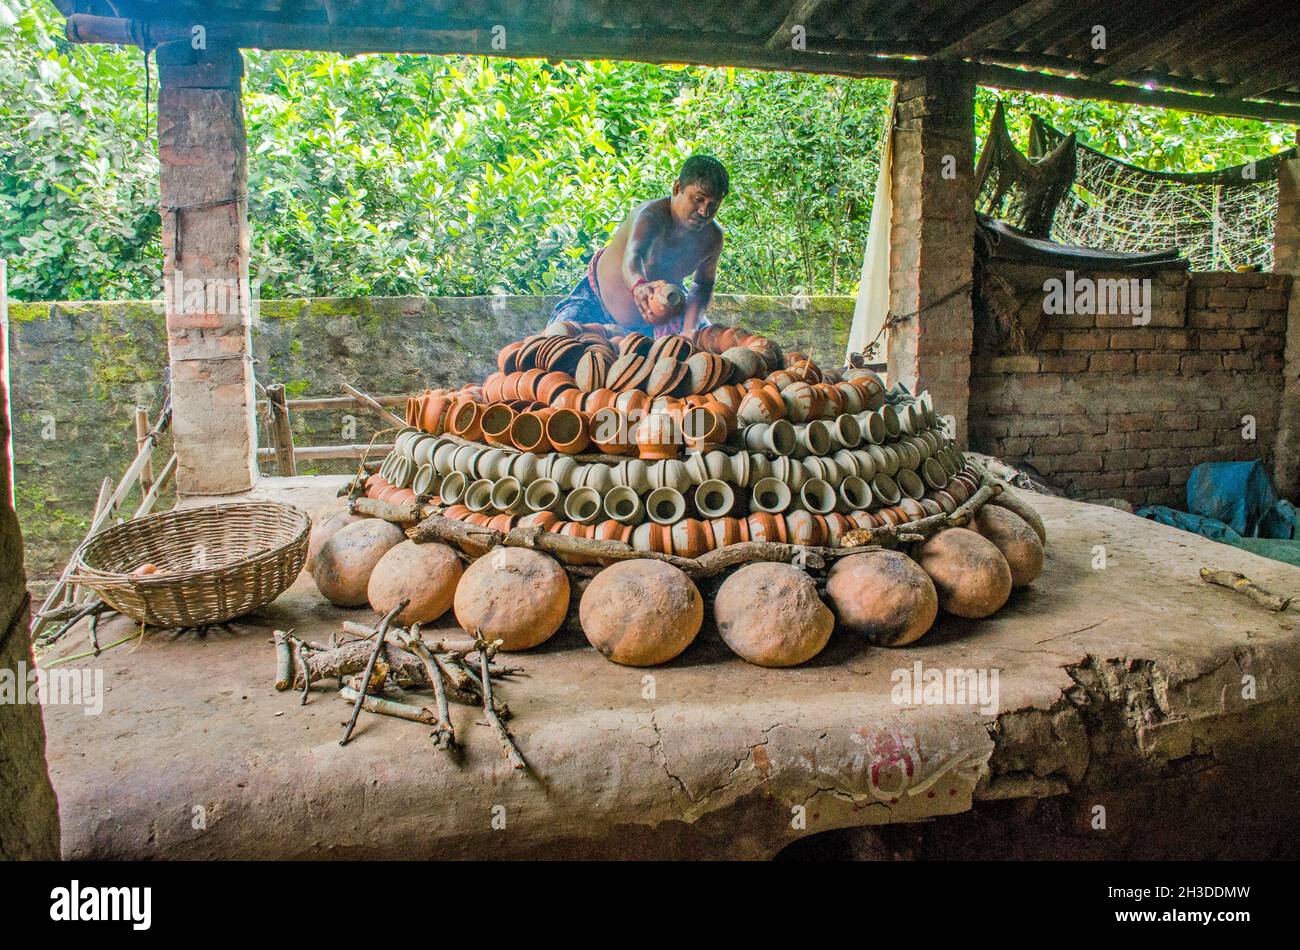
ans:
(203, 161)
(281, 431)
(141, 431)
(1286, 260)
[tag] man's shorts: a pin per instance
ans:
(583, 305)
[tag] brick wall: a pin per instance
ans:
(1104, 408)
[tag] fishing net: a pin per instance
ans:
(1073, 194)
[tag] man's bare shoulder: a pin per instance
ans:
(658, 210)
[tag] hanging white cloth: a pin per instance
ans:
(871, 309)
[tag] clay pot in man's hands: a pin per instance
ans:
(666, 302)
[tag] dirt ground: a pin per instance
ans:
(1111, 683)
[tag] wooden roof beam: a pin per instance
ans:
(799, 15)
(1001, 77)
(989, 35)
(1144, 49)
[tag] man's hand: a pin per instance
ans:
(643, 295)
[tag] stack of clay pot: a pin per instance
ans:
(681, 445)
(678, 445)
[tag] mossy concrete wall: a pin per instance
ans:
(79, 370)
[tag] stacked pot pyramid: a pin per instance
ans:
(680, 445)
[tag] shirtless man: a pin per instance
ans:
(660, 242)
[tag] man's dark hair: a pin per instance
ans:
(707, 171)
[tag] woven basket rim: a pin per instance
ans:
(85, 572)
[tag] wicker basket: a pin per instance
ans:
(214, 563)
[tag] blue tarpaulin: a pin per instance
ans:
(1235, 503)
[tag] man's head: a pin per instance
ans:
(698, 191)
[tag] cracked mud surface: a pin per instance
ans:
(1107, 678)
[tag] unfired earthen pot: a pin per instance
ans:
(770, 615)
(424, 574)
(1017, 541)
(970, 574)
(641, 612)
(514, 595)
(883, 596)
(345, 562)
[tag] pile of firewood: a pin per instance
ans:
(364, 663)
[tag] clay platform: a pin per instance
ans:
(1120, 686)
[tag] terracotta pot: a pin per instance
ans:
(414, 407)
(804, 528)
(600, 399)
(864, 519)
(912, 508)
(855, 494)
(714, 499)
(633, 474)
(508, 496)
(492, 387)
(837, 526)
(817, 496)
(495, 424)
(546, 520)
(766, 527)
(434, 416)
(665, 506)
(690, 538)
(478, 496)
(464, 418)
(623, 505)
(506, 356)
(510, 387)
(374, 485)
(551, 385)
(762, 405)
(770, 495)
(456, 512)
(666, 303)
(800, 402)
(658, 437)
(776, 438)
(583, 505)
(890, 516)
(502, 523)
(609, 431)
(725, 531)
(568, 431)
(702, 429)
(957, 489)
(528, 431)
(611, 530)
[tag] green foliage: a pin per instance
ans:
(387, 175)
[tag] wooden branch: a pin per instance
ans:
(405, 668)
(309, 453)
(283, 660)
(141, 432)
(369, 403)
(397, 514)
(485, 652)
(164, 478)
(387, 707)
(444, 735)
(380, 632)
(1245, 586)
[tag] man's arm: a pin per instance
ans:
(706, 276)
(645, 228)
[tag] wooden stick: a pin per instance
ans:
(444, 735)
(281, 431)
(283, 660)
(369, 403)
(1244, 585)
(382, 631)
(352, 657)
(489, 706)
(397, 514)
(151, 499)
(387, 707)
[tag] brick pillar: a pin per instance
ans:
(29, 812)
(204, 172)
(1286, 260)
(932, 239)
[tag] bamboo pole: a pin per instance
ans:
(309, 452)
(141, 432)
(281, 431)
(369, 403)
(149, 500)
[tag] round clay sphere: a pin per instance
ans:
(970, 575)
(424, 574)
(770, 615)
(322, 529)
(345, 561)
(1016, 539)
(1013, 503)
(515, 595)
(883, 596)
(641, 612)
